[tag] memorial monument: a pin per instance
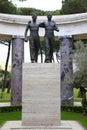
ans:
(41, 83)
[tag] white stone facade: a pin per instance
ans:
(68, 24)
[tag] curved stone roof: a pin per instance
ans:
(60, 19)
(73, 24)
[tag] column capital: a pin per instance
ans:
(17, 37)
(65, 36)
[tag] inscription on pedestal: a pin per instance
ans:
(41, 94)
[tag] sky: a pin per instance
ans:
(4, 51)
(46, 5)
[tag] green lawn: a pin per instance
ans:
(75, 92)
(9, 116)
(64, 116)
(5, 97)
(76, 117)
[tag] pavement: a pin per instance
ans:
(65, 125)
(9, 104)
(5, 104)
(77, 104)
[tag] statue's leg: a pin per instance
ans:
(37, 46)
(47, 50)
(51, 48)
(32, 49)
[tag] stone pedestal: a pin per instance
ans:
(41, 95)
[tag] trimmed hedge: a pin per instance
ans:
(78, 109)
(10, 109)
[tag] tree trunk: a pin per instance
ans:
(6, 66)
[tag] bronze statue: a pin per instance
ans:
(34, 40)
(49, 39)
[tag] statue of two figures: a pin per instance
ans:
(34, 39)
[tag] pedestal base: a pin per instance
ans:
(17, 125)
(41, 95)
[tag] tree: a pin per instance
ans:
(6, 66)
(30, 11)
(7, 7)
(74, 6)
(80, 56)
(6, 77)
(80, 76)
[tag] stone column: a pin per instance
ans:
(16, 77)
(66, 70)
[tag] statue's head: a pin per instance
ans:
(49, 16)
(34, 16)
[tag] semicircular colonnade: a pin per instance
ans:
(12, 27)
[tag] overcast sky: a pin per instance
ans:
(46, 5)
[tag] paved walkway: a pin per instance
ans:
(77, 104)
(5, 104)
(8, 104)
(66, 125)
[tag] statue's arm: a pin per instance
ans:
(56, 27)
(42, 25)
(26, 30)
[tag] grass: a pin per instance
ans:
(76, 117)
(76, 99)
(64, 116)
(4, 97)
(9, 116)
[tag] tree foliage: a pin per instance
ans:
(7, 7)
(80, 76)
(30, 11)
(80, 59)
(74, 6)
